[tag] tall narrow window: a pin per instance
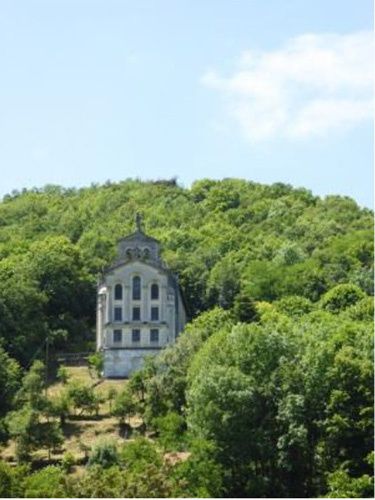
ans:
(117, 336)
(154, 291)
(118, 292)
(154, 336)
(118, 313)
(136, 313)
(154, 314)
(136, 335)
(136, 288)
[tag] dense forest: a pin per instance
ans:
(269, 390)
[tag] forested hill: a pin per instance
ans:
(268, 392)
(224, 239)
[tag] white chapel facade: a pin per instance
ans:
(140, 307)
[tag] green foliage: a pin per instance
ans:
(83, 398)
(124, 405)
(49, 482)
(139, 453)
(244, 308)
(304, 384)
(171, 429)
(341, 297)
(341, 485)
(96, 364)
(62, 375)
(33, 388)
(280, 405)
(104, 454)
(11, 479)
(165, 377)
(68, 461)
(59, 406)
(294, 305)
(199, 475)
(10, 378)
(362, 310)
(219, 236)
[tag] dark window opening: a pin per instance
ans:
(117, 335)
(154, 292)
(136, 335)
(118, 292)
(136, 288)
(154, 314)
(154, 335)
(118, 313)
(136, 313)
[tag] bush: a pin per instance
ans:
(68, 461)
(11, 480)
(294, 305)
(83, 398)
(171, 428)
(62, 375)
(341, 297)
(124, 405)
(244, 308)
(49, 482)
(341, 485)
(96, 364)
(104, 454)
(139, 453)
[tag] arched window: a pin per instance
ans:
(154, 291)
(146, 253)
(136, 288)
(118, 292)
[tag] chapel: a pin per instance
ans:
(140, 306)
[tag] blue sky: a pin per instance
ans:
(266, 90)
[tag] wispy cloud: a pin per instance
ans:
(312, 85)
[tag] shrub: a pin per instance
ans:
(96, 364)
(46, 483)
(341, 297)
(294, 305)
(11, 479)
(171, 429)
(62, 375)
(124, 405)
(67, 461)
(83, 398)
(104, 454)
(140, 452)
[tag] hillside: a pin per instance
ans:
(221, 237)
(268, 391)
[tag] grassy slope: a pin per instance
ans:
(86, 430)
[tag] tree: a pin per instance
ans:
(62, 375)
(10, 381)
(33, 388)
(244, 308)
(199, 475)
(49, 482)
(104, 454)
(341, 296)
(341, 485)
(124, 405)
(171, 428)
(294, 305)
(83, 398)
(59, 406)
(96, 364)
(11, 480)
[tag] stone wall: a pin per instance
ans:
(120, 363)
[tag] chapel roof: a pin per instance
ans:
(139, 234)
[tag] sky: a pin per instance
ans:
(265, 90)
